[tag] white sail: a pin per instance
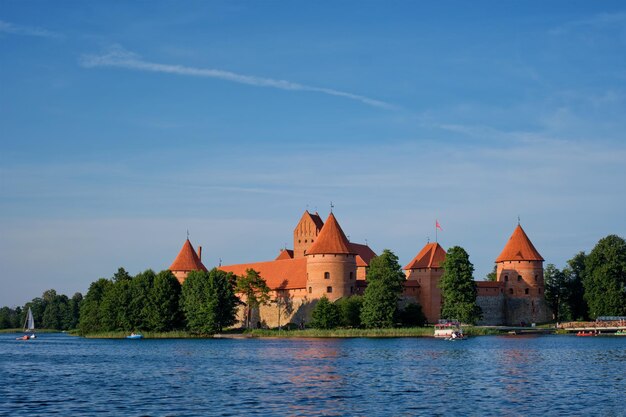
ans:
(30, 321)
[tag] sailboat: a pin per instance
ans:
(29, 326)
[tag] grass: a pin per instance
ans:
(36, 331)
(387, 332)
(307, 333)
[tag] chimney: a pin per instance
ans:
(200, 253)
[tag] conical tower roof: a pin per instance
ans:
(519, 248)
(187, 259)
(331, 239)
(431, 256)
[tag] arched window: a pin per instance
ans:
(510, 290)
(536, 278)
(310, 290)
(351, 274)
(519, 278)
(526, 291)
(326, 275)
(329, 289)
(506, 277)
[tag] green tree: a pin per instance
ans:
(162, 311)
(209, 301)
(90, 311)
(412, 315)
(557, 292)
(384, 286)
(115, 313)
(138, 307)
(254, 290)
(350, 310)
(325, 315)
(458, 289)
(6, 317)
(493, 275)
(73, 311)
(604, 278)
(574, 271)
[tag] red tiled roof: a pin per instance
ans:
(331, 239)
(284, 254)
(187, 259)
(283, 274)
(364, 253)
(431, 256)
(519, 248)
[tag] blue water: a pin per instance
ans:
(482, 376)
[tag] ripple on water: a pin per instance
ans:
(487, 376)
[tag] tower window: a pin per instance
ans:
(329, 289)
(299, 241)
(326, 275)
(351, 290)
(351, 275)
(306, 241)
(519, 278)
(506, 277)
(526, 291)
(536, 278)
(511, 291)
(310, 290)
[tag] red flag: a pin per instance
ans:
(437, 225)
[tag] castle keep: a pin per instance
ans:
(324, 262)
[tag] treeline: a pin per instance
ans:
(589, 286)
(50, 311)
(378, 307)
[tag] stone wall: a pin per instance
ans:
(493, 308)
(527, 310)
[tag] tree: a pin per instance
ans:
(412, 315)
(254, 290)
(384, 286)
(90, 311)
(209, 301)
(458, 289)
(115, 313)
(325, 315)
(493, 275)
(162, 312)
(350, 310)
(73, 312)
(604, 278)
(574, 271)
(137, 309)
(557, 292)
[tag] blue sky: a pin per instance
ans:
(123, 124)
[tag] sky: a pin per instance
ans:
(123, 125)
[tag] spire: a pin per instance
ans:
(519, 248)
(187, 259)
(331, 239)
(431, 256)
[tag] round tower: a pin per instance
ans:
(520, 268)
(186, 261)
(331, 264)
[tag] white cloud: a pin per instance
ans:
(11, 28)
(121, 58)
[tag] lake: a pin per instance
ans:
(482, 376)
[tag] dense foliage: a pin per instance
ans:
(325, 315)
(557, 292)
(458, 289)
(411, 315)
(350, 310)
(208, 300)
(50, 311)
(384, 287)
(604, 278)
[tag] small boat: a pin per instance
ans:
(135, 336)
(449, 329)
(29, 327)
(585, 334)
(620, 333)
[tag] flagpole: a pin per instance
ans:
(436, 238)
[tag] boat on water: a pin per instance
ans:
(620, 333)
(135, 336)
(449, 330)
(29, 327)
(586, 334)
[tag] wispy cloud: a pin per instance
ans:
(12, 28)
(602, 20)
(121, 58)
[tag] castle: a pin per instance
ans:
(324, 262)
